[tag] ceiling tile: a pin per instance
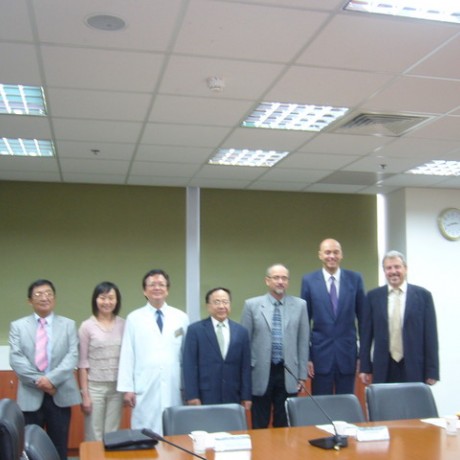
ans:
(281, 32)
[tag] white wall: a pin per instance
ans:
(434, 263)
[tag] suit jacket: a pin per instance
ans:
(207, 375)
(420, 337)
(63, 361)
(257, 318)
(334, 339)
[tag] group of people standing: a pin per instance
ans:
(154, 359)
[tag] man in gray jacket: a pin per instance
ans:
(44, 354)
(279, 334)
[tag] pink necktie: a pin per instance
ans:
(41, 345)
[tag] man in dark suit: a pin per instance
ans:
(401, 326)
(279, 335)
(47, 386)
(333, 318)
(217, 356)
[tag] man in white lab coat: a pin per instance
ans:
(150, 369)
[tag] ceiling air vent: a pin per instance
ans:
(381, 124)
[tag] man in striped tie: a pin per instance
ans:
(278, 330)
(44, 353)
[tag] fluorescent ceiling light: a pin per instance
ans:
(22, 100)
(433, 10)
(278, 115)
(245, 157)
(438, 168)
(26, 147)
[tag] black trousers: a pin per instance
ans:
(55, 420)
(275, 397)
(396, 371)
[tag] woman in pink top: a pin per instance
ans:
(100, 342)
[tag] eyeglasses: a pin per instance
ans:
(221, 302)
(279, 278)
(48, 294)
(154, 285)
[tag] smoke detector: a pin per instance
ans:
(216, 84)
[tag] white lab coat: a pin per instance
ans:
(150, 363)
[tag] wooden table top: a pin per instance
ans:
(409, 440)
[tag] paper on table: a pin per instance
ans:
(441, 422)
(211, 438)
(233, 455)
(350, 429)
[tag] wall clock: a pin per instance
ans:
(449, 223)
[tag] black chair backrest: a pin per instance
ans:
(38, 445)
(397, 401)
(212, 418)
(11, 430)
(302, 411)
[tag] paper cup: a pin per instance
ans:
(199, 440)
(451, 424)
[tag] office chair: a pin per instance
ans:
(11, 430)
(302, 410)
(38, 445)
(212, 418)
(397, 401)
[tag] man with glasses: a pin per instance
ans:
(217, 356)
(44, 354)
(149, 372)
(279, 335)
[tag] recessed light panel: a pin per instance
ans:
(438, 168)
(433, 10)
(278, 115)
(22, 100)
(26, 147)
(245, 157)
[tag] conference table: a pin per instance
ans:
(409, 440)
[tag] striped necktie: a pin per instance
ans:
(277, 335)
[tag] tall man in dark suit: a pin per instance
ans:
(217, 356)
(47, 386)
(401, 326)
(335, 300)
(279, 335)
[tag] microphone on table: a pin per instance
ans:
(330, 442)
(157, 437)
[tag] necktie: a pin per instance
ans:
(333, 295)
(220, 338)
(277, 335)
(159, 314)
(396, 343)
(41, 345)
